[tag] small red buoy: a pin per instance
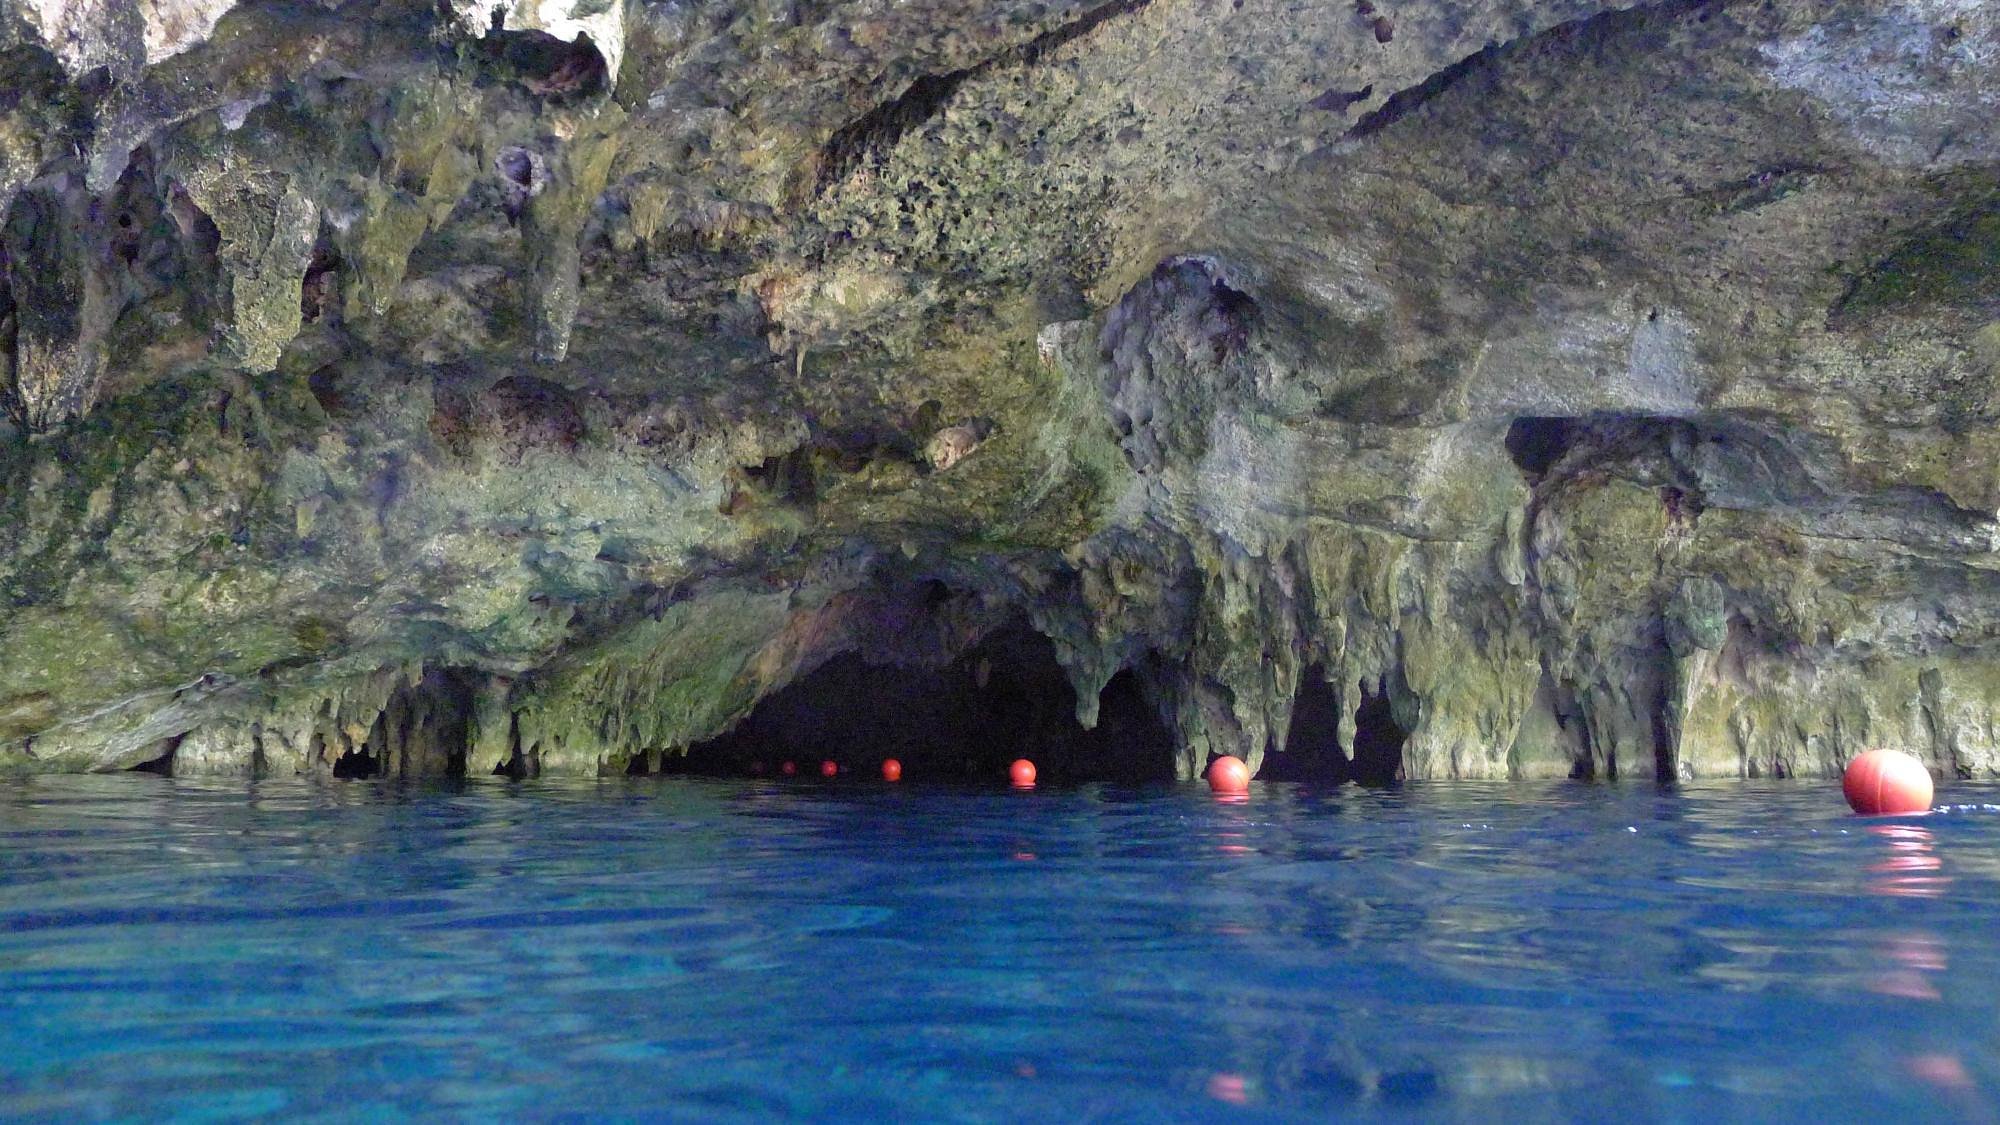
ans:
(1887, 783)
(1229, 775)
(1022, 773)
(788, 769)
(892, 770)
(829, 768)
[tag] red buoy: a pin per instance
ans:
(788, 769)
(1887, 783)
(1229, 775)
(1022, 773)
(892, 770)
(829, 768)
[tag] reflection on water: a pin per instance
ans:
(1912, 866)
(751, 949)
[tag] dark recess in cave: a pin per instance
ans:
(547, 66)
(163, 765)
(357, 765)
(426, 723)
(319, 292)
(1378, 741)
(1536, 444)
(1005, 698)
(516, 766)
(1313, 753)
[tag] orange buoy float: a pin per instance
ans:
(1229, 775)
(788, 769)
(1022, 773)
(829, 768)
(1887, 783)
(892, 770)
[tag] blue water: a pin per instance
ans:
(730, 950)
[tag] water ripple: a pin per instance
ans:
(708, 950)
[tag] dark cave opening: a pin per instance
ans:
(1536, 444)
(1313, 753)
(357, 765)
(1378, 741)
(421, 732)
(549, 66)
(161, 765)
(515, 766)
(1003, 699)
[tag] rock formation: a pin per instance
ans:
(1558, 387)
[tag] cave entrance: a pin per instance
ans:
(161, 765)
(1536, 444)
(1313, 753)
(1005, 698)
(1378, 740)
(421, 732)
(357, 765)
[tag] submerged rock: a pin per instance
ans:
(1545, 387)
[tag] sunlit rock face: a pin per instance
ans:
(1530, 387)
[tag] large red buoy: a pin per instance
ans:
(892, 770)
(1229, 775)
(1887, 783)
(829, 768)
(1022, 773)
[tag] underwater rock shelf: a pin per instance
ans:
(1450, 388)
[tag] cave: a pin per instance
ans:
(357, 764)
(1005, 698)
(1536, 444)
(1378, 741)
(161, 765)
(420, 733)
(547, 65)
(1313, 753)
(557, 417)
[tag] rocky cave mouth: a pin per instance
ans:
(1536, 444)
(1314, 752)
(422, 732)
(566, 389)
(1003, 699)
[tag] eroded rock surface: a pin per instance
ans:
(1543, 387)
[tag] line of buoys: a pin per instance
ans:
(1226, 775)
(1876, 783)
(1229, 775)
(1887, 783)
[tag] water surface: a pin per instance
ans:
(716, 950)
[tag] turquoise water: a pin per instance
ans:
(700, 949)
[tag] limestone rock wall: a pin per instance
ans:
(1605, 389)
